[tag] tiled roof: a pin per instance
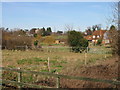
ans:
(99, 32)
(89, 37)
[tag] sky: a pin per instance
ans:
(57, 15)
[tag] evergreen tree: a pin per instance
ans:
(49, 31)
(43, 32)
(76, 41)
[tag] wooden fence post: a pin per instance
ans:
(86, 56)
(47, 49)
(19, 78)
(49, 64)
(58, 82)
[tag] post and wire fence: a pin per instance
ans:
(21, 84)
(86, 51)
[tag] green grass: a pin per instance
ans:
(31, 61)
(10, 66)
(57, 66)
(44, 70)
(54, 61)
(27, 78)
(41, 64)
(60, 56)
(60, 60)
(61, 37)
(92, 60)
(24, 61)
(44, 44)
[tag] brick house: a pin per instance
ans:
(99, 34)
(88, 37)
(96, 35)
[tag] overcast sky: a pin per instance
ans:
(80, 15)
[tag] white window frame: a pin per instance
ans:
(93, 36)
(98, 36)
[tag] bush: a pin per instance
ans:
(36, 43)
(11, 41)
(99, 41)
(76, 41)
(35, 35)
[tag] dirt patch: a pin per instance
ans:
(48, 83)
(107, 70)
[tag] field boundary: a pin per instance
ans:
(57, 76)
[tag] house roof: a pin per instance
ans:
(99, 32)
(88, 37)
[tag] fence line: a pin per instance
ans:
(62, 48)
(23, 84)
(57, 76)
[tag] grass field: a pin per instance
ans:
(60, 57)
(60, 60)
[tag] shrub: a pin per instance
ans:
(36, 43)
(11, 41)
(99, 41)
(76, 41)
(35, 35)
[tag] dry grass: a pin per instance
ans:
(11, 58)
(66, 62)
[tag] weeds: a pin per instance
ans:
(31, 61)
(59, 61)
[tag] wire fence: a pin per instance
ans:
(86, 52)
(21, 84)
(93, 50)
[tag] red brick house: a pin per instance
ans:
(96, 35)
(99, 34)
(88, 37)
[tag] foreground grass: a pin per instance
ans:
(61, 60)
(32, 58)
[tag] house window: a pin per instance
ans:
(93, 36)
(98, 36)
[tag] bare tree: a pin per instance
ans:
(115, 19)
(113, 37)
(116, 43)
(1, 37)
(119, 41)
(114, 32)
(68, 27)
